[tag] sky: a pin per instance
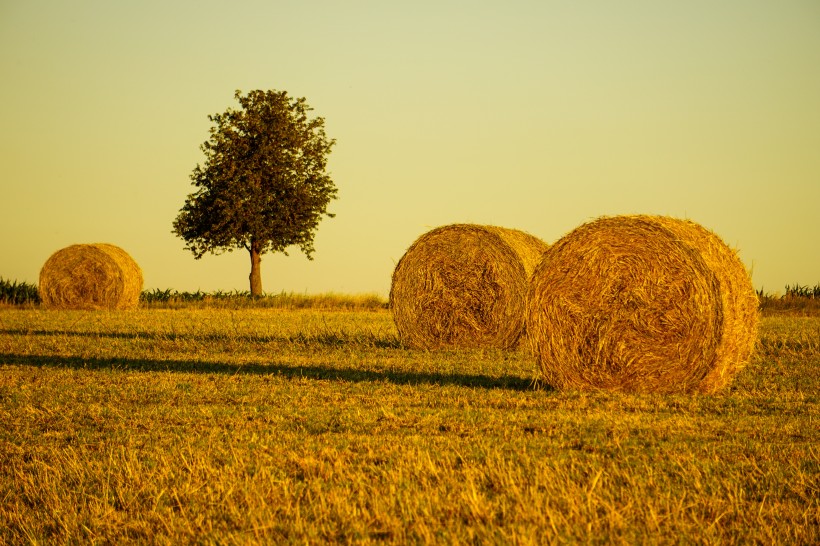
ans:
(536, 115)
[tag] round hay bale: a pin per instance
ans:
(641, 304)
(464, 285)
(92, 276)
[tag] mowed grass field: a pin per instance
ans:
(241, 426)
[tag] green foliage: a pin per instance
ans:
(798, 291)
(169, 295)
(238, 299)
(18, 293)
(798, 300)
(263, 186)
(220, 426)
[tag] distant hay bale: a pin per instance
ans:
(641, 304)
(92, 276)
(464, 285)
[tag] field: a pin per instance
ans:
(219, 425)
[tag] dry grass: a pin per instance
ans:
(464, 285)
(220, 426)
(90, 276)
(641, 304)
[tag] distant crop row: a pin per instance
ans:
(239, 298)
(22, 294)
(800, 300)
(797, 298)
(18, 293)
(798, 291)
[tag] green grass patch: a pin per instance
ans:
(233, 426)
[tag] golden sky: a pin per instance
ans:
(536, 115)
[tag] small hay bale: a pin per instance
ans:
(641, 304)
(464, 285)
(93, 276)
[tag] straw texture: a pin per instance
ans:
(464, 286)
(641, 304)
(90, 276)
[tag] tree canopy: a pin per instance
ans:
(263, 186)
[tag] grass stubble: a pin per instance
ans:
(237, 426)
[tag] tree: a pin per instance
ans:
(263, 186)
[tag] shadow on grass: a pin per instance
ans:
(328, 338)
(316, 372)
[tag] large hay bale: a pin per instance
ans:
(464, 285)
(92, 276)
(641, 304)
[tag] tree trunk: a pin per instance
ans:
(256, 270)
